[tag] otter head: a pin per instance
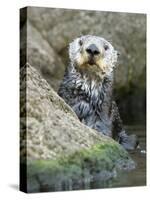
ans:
(93, 55)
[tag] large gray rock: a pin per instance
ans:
(52, 128)
(61, 153)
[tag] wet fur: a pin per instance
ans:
(90, 94)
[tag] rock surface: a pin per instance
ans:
(59, 150)
(52, 127)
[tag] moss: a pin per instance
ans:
(77, 170)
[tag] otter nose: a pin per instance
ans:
(92, 50)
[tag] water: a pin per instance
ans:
(136, 177)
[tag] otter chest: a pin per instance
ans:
(97, 95)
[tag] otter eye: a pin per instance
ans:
(80, 42)
(106, 47)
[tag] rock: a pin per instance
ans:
(40, 54)
(52, 126)
(59, 150)
(81, 170)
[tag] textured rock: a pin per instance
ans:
(52, 127)
(59, 150)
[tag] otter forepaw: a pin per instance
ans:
(129, 142)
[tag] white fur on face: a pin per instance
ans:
(106, 60)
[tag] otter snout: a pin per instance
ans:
(92, 50)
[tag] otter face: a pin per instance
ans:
(93, 54)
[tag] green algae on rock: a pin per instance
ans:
(101, 162)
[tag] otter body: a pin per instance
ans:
(88, 87)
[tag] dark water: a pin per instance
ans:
(136, 177)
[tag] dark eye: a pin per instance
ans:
(80, 42)
(106, 47)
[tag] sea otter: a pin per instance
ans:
(88, 87)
